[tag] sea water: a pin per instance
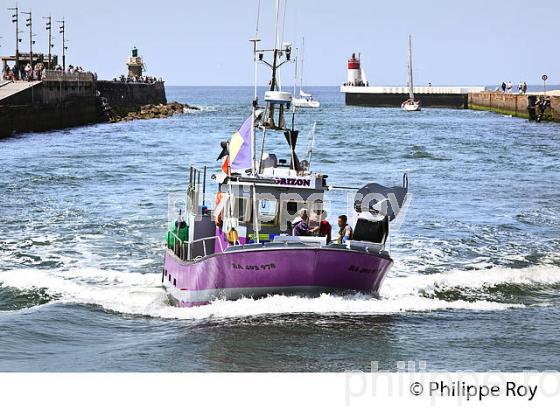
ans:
(83, 214)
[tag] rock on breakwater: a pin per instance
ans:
(152, 111)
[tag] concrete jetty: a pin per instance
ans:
(11, 88)
(517, 105)
(437, 97)
(62, 100)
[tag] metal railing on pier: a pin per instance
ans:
(55, 75)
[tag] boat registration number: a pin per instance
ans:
(268, 266)
(358, 269)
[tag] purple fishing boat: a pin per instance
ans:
(263, 235)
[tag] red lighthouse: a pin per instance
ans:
(354, 71)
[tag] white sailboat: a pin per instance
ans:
(305, 100)
(411, 104)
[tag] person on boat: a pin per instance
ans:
(324, 229)
(345, 230)
(300, 225)
(218, 209)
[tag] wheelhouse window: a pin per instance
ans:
(268, 209)
(290, 211)
(242, 208)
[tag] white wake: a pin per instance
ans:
(142, 294)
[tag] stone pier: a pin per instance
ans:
(62, 100)
(517, 105)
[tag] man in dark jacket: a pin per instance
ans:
(300, 226)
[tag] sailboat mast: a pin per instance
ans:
(410, 82)
(302, 55)
(295, 73)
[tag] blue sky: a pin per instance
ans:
(474, 42)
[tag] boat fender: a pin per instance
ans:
(233, 236)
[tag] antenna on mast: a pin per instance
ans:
(255, 40)
(284, 21)
(310, 147)
(277, 31)
(258, 17)
(294, 92)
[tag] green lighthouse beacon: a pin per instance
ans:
(135, 64)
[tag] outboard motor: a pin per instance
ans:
(376, 206)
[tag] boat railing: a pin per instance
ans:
(183, 249)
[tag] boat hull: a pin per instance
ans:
(304, 103)
(411, 107)
(262, 272)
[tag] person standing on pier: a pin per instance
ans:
(509, 86)
(28, 72)
(503, 87)
(7, 73)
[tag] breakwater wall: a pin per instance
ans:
(395, 100)
(381, 96)
(70, 100)
(129, 97)
(72, 112)
(518, 105)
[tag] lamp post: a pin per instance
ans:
(29, 23)
(48, 26)
(15, 19)
(62, 31)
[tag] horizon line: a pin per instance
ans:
(340, 85)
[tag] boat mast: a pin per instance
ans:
(301, 74)
(296, 72)
(294, 92)
(253, 132)
(281, 54)
(410, 83)
(273, 81)
(255, 41)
